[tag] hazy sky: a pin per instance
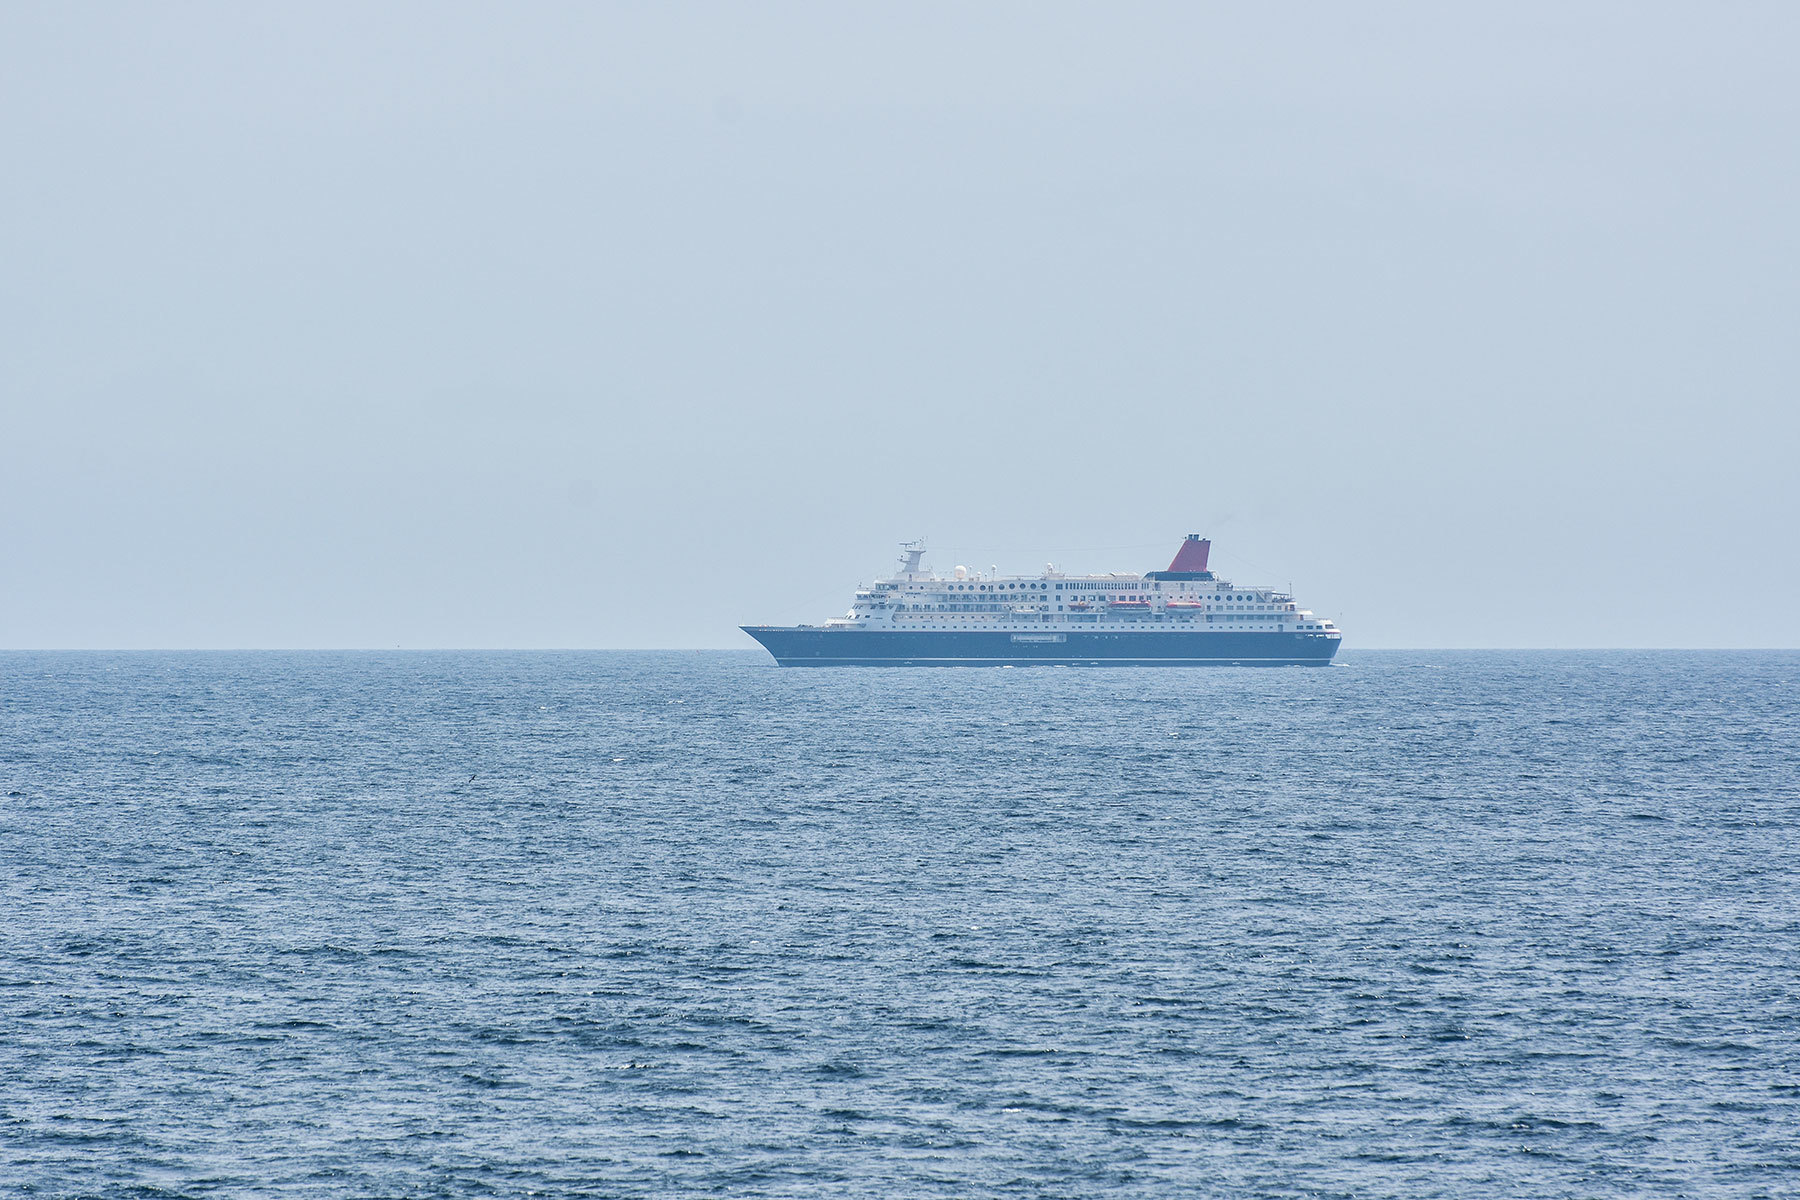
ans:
(621, 325)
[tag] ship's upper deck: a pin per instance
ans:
(1187, 596)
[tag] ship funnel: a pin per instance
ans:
(1192, 555)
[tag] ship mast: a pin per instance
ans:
(912, 552)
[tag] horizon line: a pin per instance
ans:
(760, 650)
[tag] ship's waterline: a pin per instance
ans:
(1183, 616)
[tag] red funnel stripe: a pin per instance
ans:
(1192, 555)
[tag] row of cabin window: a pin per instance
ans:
(983, 587)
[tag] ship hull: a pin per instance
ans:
(812, 646)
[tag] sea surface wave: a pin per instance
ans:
(1482, 924)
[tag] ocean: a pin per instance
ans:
(611, 924)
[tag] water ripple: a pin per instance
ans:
(322, 925)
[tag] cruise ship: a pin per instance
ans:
(1185, 616)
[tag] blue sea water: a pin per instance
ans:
(685, 924)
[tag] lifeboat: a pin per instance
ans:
(1080, 604)
(1132, 604)
(1185, 604)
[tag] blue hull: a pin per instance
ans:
(804, 646)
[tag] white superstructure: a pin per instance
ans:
(1187, 598)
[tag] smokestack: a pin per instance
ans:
(1192, 555)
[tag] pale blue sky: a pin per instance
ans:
(620, 325)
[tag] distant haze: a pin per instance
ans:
(430, 324)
